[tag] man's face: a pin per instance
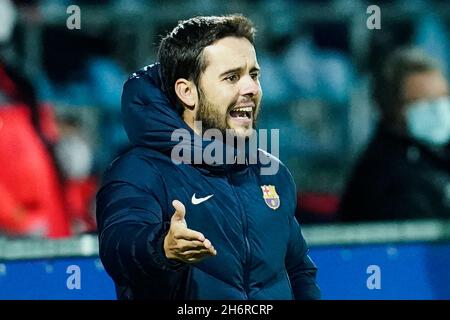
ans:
(229, 88)
(426, 111)
(424, 86)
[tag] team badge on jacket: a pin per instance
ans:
(270, 196)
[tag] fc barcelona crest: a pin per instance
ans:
(270, 196)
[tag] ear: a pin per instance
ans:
(186, 92)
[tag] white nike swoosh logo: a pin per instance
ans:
(200, 200)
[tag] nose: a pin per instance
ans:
(249, 86)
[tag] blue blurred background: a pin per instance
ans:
(410, 271)
(316, 59)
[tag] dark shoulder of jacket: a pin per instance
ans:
(135, 167)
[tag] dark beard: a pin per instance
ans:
(211, 118)
(209, 115)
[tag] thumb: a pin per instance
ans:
(180, 211)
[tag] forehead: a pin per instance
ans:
(229, 53)
(425, 85)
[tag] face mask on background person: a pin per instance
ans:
(75, 156)
(8, 16)
(428, 121)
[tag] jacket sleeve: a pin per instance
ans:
(301, 269)
(132, 222)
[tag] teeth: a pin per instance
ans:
(243, 109)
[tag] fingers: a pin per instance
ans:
(193, 256)
(190, 245)
(180, 210)
(180, 230)
(206, 245)
(188, 234)
(185, 244)
(192, 251)
(209, 247)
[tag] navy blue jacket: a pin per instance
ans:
(261, 253)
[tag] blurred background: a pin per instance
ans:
(317, 60)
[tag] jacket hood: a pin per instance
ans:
(149, 119)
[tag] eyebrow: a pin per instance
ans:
(236, 70)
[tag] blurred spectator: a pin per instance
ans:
(32, 197)
(31, 200)
(405, 171)
(75, 156)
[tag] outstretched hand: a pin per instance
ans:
(182, 243)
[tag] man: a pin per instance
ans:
(405, 171)
(200, 230)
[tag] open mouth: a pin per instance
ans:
(242, 112)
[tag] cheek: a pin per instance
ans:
(224, 101)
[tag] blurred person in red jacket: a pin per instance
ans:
(31, 198)
(32, 202)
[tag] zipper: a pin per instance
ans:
(247, 243)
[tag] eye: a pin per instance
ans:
(254, 75)
(232, 78)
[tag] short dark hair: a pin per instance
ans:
(389, 80)
(180, 52)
